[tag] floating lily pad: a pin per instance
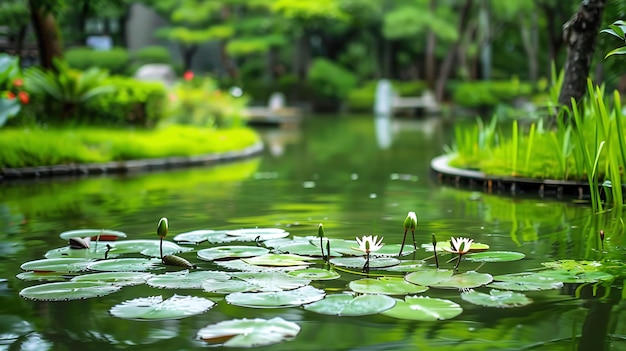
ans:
(43, 276)
(349, 305)
(424, 309)
(429, 277)
(116, 278)
(359, 262)
(276, 299)
(222, 252)
(65, 291)
(394, 250)
(61, 265)
(147, 247)
(248, 332)
(126, 265)
(474, 247)
(572, 265)
(155, 308)
(576, 277)
(240, 265)
(315, 274)
(227, 286)
(195, 236)
(496, 298)
(494, 256)
(467, 280)
(407, 266)
(252, 234)
(95, 234)
(306, 248)
(93, 252)
(272, 281)
(527, 281)
(186, 279)
(386, 285)
(277, 260)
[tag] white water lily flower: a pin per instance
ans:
(369, 244)
(459, 245)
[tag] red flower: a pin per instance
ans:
(10, 95)
(18, 83)
(23, 96)
(188, 75)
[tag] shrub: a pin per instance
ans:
(152, 54)
(116, 60)
(330, 80)
(362, 99)
(483, 94)
(133, 102)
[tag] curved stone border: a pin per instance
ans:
(117, 167)
(458, 176)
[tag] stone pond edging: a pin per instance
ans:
(475, 179)
(117, 167)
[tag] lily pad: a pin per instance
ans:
(60, 265)
(240, 265)
(65, 291)
(277, 260)
(467, 280)
(147, 247)
(306, 248)
(126, 265)
(496, 298)
(359, 262)
(248, 332)
(116, 278)
(349, 305)
(429, 276)
(424, 309)
(386, 285)
(572, 265)
(43, 276)
(576, 276)
(394, 250)
(495, 256)
(155, 308)
(407, 266)
(527, 281)
(93, 252)
(222, 252)
(272, 281)
(195, 236)
(214, 286)
(252, 234)
(315, 274)
(186, 279)
(95, 234)
(474, 247)
(276, 299)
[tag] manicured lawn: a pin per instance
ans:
(43, 147)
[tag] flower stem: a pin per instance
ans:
(413, 235)
(456, 267)
(366, 266)
(403, 240)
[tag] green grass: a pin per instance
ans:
(45, 147)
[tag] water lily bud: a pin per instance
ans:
(162, 228)
(434, 240)
(320, 231)
(602, 234)
(411, 221)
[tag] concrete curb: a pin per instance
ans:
(475, 179)
(118, 167)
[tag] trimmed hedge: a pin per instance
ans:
(362, 99)
(485, 94)
(116, 60)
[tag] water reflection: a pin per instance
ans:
(349, 159)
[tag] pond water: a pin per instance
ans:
(357, 176)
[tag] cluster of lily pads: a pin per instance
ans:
(269, 268)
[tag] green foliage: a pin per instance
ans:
(9, 72)
(199, 102)
(116, 60)
(132, 102)
(617, 29)
(52, 146)
(152, 54)
(490, 93)
(330, 80)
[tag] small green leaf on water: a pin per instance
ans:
(61, 265)
(194, 236)
(386, 285)
(276, 299)
(576, 277)
(572, 265)
(496, 298)
(125, 265)
(428, 277)
(278, 260)
(315, 274)
(349, 305)
(424, 309)
(65, 291)
(467, 280)
(116, 278)
(494, 256)
(358, 262)
(526, 281)
(224, 252)
(248, 332)
(155, 308)
(186, 279)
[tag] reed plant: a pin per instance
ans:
(587, 145)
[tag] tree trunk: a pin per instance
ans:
(579, 34)
(446, 66)
(431, 42)
(48, 35)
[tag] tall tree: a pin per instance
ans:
(579, 34)
(42, 13)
